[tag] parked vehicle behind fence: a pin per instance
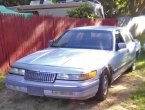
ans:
(80, 64)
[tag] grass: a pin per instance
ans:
(138, 96)
(2, 86)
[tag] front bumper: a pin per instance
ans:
(80, 90)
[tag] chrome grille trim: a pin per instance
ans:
(39, 76)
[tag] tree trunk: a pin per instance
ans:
(136, 7)
(140, 8)
(132, 6)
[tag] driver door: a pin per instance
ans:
(120, 56)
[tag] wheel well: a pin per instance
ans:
(109, 72)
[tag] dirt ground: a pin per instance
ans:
(118, 99)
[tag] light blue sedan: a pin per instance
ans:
(80, 64)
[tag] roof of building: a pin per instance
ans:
(6, 11)
(47, 6)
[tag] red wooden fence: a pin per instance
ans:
(19, 37)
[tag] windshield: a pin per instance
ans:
(86, 39)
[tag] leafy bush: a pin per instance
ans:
(84, 11)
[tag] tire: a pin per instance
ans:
(103, 87)
(137, 54)
(133, 67)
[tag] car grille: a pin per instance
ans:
(39, 76)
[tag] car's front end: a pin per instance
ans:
(59, 82)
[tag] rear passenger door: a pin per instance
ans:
(130, 44)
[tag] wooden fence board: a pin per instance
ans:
(4, 60)
(20, 37)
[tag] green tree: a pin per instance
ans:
(14, 2)
(114, 8)
(84, 11)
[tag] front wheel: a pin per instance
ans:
(103, 87)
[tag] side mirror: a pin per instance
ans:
(50, 42)
(121, 46)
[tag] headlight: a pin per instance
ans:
(17, 71)
(77, 76)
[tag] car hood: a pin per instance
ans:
(67, 57)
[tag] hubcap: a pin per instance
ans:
(105, 85)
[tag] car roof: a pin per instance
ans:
(105, 28)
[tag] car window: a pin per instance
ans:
(127, 37)
(119, 38)
(131, 37)
(87, 39)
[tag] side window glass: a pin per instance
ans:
(119, 38)
(131, 37)
(127, 37)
